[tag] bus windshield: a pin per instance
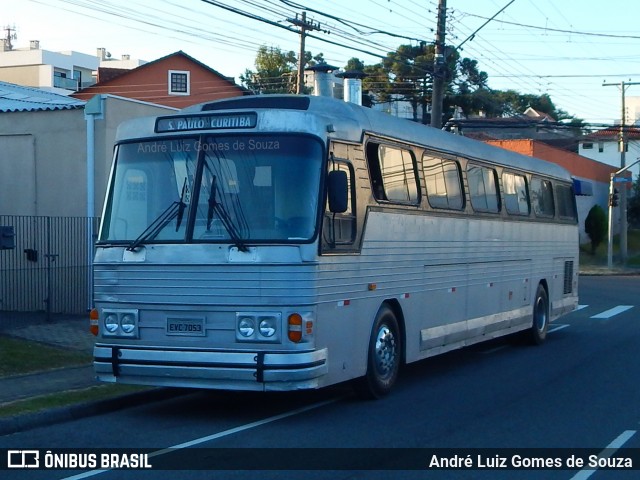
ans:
(231, 189)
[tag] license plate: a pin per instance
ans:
(192, 327)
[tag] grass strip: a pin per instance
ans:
(65, 399)
(19, 357)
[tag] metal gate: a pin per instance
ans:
(50, 268)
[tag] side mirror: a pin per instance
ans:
(338, 191)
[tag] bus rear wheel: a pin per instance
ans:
(384, 356)
(538, 331)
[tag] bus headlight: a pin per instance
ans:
(128, 323)
(268, 327)
(111, 323)
(120, 323)
(246, 327)
(258, 327)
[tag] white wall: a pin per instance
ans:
(610, 154)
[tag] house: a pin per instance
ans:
(58, 72)
(44, 148)
(540, 127)
(604, 146)
(176, 80)
(55, 157)
(588, 171)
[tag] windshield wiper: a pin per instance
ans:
(176, 209)
(225, 218)
(182, 205)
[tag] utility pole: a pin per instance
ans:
(622, 146)
(304, 27)
(613, 202)
(439, 67)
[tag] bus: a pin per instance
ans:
(285, 242)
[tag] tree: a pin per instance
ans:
(595, 225)
(274, 71)
(633, 205)
(406, 74)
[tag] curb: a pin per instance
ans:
(29, 421)
(604, 272)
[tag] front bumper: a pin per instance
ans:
(228, 370)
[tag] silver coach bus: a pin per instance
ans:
(293, 242)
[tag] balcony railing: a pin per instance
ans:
(66, 83)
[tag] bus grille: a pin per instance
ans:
(568, 277)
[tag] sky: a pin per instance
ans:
(567, 49)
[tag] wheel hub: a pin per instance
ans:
(386, 355)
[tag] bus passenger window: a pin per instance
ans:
(392, 173)
(542, 198)
(442, 179)
(483, 189)
(566, 202)
(516, 195)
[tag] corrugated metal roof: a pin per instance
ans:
(16, 98)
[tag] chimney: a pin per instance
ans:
(322, 79)
(102, 54)
(34, 45)
(126, 57)
(352, 85)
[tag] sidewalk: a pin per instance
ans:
(69, 332)
(64, 331)
(604, 270)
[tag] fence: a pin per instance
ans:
(49, 270)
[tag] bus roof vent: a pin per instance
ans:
(290, 102)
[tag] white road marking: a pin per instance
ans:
(580, 307)
(612, 312)
(215, 436)
(557, 327)
(606, 453)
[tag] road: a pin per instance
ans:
(578, 390)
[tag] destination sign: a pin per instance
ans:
(206, 122)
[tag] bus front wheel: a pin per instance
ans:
(538, 332)
(384, 356)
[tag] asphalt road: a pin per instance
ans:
(578, 390)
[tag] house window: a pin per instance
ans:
(587, 145)
(179, 82)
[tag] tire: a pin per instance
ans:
(383, 358)
(540, 324)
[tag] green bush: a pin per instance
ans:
(595, 226)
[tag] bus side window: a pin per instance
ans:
(373, 162)
(566, 203)
(542, 198)
(442, 177)
(393, 173)
(516, 194)
(340, 228)
(483, 189)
